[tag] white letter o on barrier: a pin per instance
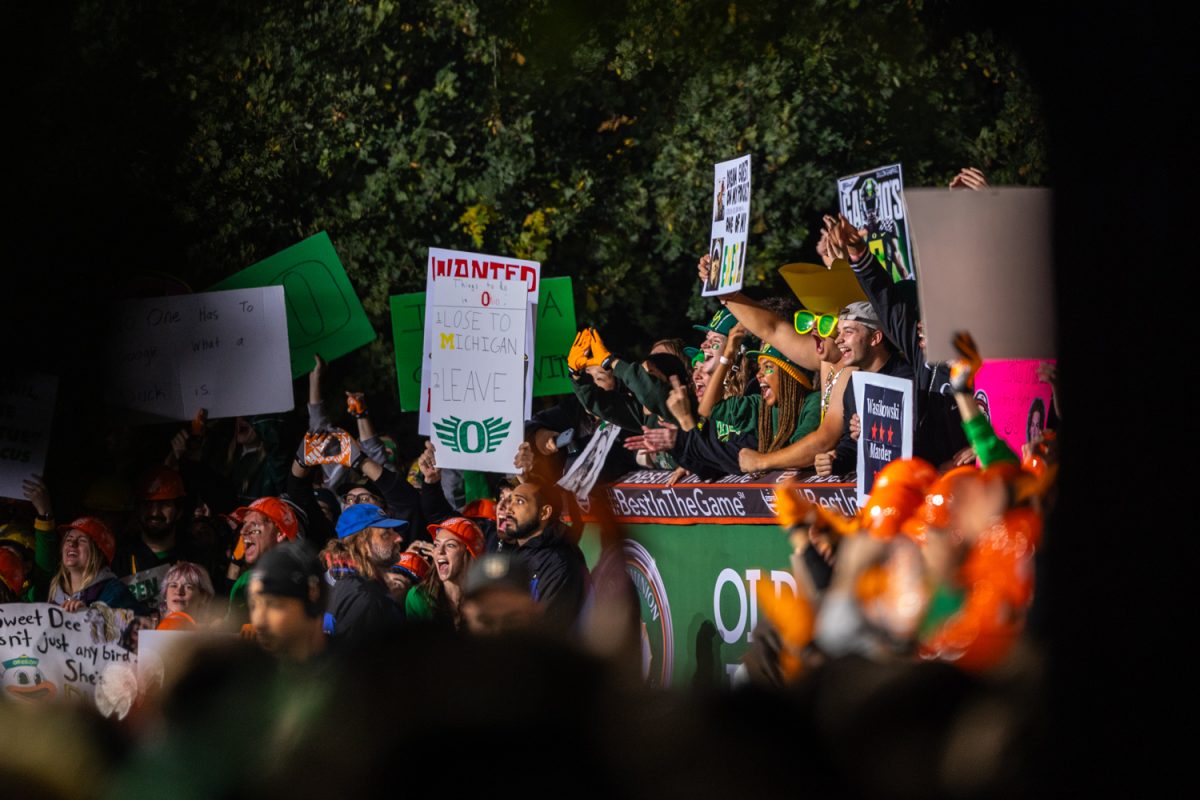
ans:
(730, 635)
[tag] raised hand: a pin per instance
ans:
(426, 461)
(600, 353)
(963, 370)
(577, 358)
(356, 404)
(969, 178)
(35, 491)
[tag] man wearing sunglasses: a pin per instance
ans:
(807, 340)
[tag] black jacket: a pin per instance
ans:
(939, 433)
(361, 610)
(560, 574)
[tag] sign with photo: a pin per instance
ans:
(730, 227)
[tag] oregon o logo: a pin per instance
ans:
(472, 436)
(464, 436)
(658, 632)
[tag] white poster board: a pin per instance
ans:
(26, 412)
(987, 267)
(47, 653)
(477, 313)
(457, 263)
(885, 413)
(730, 227)
(226, 352)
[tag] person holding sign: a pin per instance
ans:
(83, 575)
(895, 305)
(864, 346)
(808, 342)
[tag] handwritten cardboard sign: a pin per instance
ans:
(226, 352)
(324, 315)
(456, 265)
(26, 411)
(555, 331)
(730, 226)
(476, 317)
(48, 654)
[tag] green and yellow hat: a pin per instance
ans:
(722, 323)
(799, 374)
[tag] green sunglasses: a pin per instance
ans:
(805, 321)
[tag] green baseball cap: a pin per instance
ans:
(722, 323)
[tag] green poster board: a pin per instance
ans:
(324, 314)
(554, 337)
(408, 330)
(697, 588)
(555, 334)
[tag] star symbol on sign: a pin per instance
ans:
(890, 434)
(874, 430)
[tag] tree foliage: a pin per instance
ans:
(547, 130)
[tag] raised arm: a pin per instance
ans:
(766, 325)
(715, 391)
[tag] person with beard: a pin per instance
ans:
(529, 528)
(360, 607)
(266, 522)
(160, 536)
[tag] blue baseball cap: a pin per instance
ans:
(362, 516)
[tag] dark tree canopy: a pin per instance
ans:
(536, 129)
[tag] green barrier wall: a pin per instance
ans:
(697, 588)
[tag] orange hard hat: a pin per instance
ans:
(177, 621)
(915, 473)
(96, 530)
(464, 530)
(276, 510)
(483, 508)
(412, 565)
(160, 483)
(12, 570)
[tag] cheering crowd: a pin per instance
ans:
(330, 549)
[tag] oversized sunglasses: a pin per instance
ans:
(805, 321)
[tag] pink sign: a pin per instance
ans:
(1014, 398)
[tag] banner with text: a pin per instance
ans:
(47, 653)
(874, 200)
(477, 314)
(555, 333)
(730, 227)
(26, 412)
(459, 265)
(226, 352)
(885, 413)
(324, 315)
(644, 496)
